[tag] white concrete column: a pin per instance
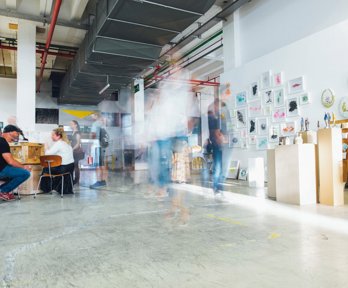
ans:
(26, 75)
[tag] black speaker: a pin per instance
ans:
(56, 78)
(114, 96)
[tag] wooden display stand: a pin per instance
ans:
(295, 174)
(331, 191)
(28, 154)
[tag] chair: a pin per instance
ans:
(50, 161)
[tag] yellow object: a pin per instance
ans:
(13, 26)
(78, 113)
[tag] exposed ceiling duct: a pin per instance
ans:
(125, 37)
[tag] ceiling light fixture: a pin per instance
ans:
(106, 86)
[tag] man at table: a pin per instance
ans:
(10, 169)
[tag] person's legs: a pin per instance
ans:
(217, 158)
(16, 175)
(77, 171)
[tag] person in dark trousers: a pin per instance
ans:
(77, 149)
(10, 169)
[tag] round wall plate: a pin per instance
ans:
(343, 108)
(327, 98)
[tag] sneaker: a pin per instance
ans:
(6, 196)
(98, 184)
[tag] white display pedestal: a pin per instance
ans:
(256, 174)
(271, 174)
(295, 174)
(331, 190)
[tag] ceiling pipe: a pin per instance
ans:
(39, 51)
(48, 41)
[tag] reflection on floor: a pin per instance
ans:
(129, 235)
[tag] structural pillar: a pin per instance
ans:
(26, 75)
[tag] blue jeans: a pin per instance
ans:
(16, 177)
(218, 175)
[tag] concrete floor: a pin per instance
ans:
(126, 236)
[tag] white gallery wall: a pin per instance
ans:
(8, 92)
(299, 38)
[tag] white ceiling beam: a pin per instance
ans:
(77, 9)
(46, 7)
(11, 4)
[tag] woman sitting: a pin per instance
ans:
(62, 148)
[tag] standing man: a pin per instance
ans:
(218, 139)
(10, 168)
(98, 128)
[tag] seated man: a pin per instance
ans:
(15, 172)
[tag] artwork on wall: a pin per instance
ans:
(266, 80)
(255, 108)
(279, 97)
(267, 110)
(243, 173)
(234, 168)
(262, 143)
(288, 128)
(274, 133)
(252, 127)
(254, 91)
(241, 118)
(243, 143)
(252, 140)
(262, 126)
(243, 133)
(278, 114)
(234, 140)
(241, 99)
(292, 107)
(46, 116)
(305, 98)
(328, 98)
(296, 85)
(267, 97)
(278, 79)
(343, 107)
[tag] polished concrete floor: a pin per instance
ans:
(128, 235)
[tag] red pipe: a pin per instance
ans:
(48, 41)
(39, 51)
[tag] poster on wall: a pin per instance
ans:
(46, 116)
(296, 85)
(267, 97)
(241, 99)
(241, 118)
(266, 80)
(252, 128)
(254, 91)
(279, 97)
(262, 126)
(278, 79)
(278, 114)
(292, 107)
(255, 108)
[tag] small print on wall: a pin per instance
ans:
(296, 85)
(279, 97)
(274, 133)
(267, 97)
(255, 108)
(262, 126)
(241, 99)
(288, 128)
(278, 114)
(241, 118)
(252, 128)
(234, 140)
(262, 143)
(305, 99)
(278, 79)
(254, 91)
(252, 140)
(266, 79)
(292, 107)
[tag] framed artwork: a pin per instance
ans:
(254, 91)
(234, 168)
(279, 97)
(288, 128)
(255, 108)
(267, 110)
(278, 114)
(262, 143)
(234, 140)
(243, 143)
(46, 116)
(243, 173)
(241, 99)
(274, 133)
(262, 126)
(252, 127)
(278, 79)
(292, 107)
(327, 98)
(296, 85)
(266, 80)
(305, 98)
(267, 97)
(243, 133)
(252, 140)
(241, 118)
(343, 107)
